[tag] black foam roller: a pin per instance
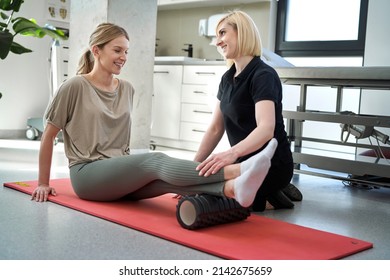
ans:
(199, 211)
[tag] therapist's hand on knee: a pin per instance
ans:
(215, 162)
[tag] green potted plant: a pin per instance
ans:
(10, 26)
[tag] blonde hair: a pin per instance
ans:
(248, 37)
(104, 33)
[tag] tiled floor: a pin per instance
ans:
(31, 230)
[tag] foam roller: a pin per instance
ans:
(199, 211)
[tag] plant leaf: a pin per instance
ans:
(11, 5)
(4, 16)
(6, 39)
(27, 27)
(18, 49)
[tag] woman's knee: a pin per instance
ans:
(157, 157)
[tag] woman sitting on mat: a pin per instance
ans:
(249, 109)
(93, 110)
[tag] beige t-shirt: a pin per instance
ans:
(95, 124)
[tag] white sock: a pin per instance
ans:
(249, 182)
(269, 150)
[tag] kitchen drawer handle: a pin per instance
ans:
(205, 73)
(199, 92)
(161, 72)
(198, 130)
(203, 112)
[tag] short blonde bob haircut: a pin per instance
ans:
(248, 37)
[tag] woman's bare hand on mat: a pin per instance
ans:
(41, 193)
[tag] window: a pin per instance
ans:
(321, 28)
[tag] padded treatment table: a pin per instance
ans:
(377, 78)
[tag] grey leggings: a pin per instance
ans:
(141, 176)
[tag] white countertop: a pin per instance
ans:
(184, 60)
(365, 76)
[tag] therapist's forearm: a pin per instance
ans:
(254, 141)
(208, 144)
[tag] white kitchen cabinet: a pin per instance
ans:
(166, 101)
(199, 90)
(203, 74)
(192, 132)
(196, 113)
(183, 102)
(195, 93)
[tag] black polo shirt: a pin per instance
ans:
(238, 96)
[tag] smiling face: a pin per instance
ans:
(227, 40)
(112, 56)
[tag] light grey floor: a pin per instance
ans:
(30, 230)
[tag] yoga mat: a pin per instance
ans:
(256, 238)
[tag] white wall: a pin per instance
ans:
(378, 34)
(377, 53)
(178, 27)
(24, 79)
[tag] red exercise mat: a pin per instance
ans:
(256, 238)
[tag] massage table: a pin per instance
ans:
(377, 78)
